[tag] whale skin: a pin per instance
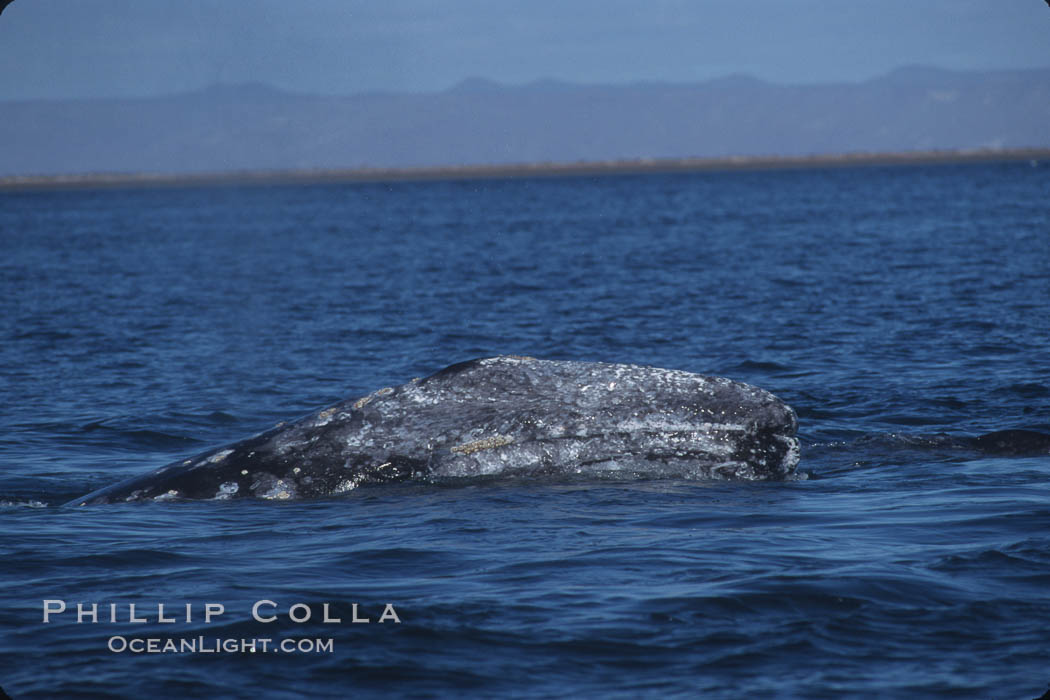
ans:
(495, 416)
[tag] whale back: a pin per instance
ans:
(500, 415)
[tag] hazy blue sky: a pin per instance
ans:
(65, 48)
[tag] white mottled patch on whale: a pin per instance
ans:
(488, 443)
(277, 490)
(227, 491)
(344, 486)
(325, 417)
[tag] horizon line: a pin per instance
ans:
(515, 171)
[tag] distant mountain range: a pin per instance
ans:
(255, 127)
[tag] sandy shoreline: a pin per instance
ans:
(523, 170)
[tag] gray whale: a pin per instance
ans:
(500, 415)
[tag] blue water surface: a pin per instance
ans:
(901, 312)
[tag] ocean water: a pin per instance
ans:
(903, 313)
